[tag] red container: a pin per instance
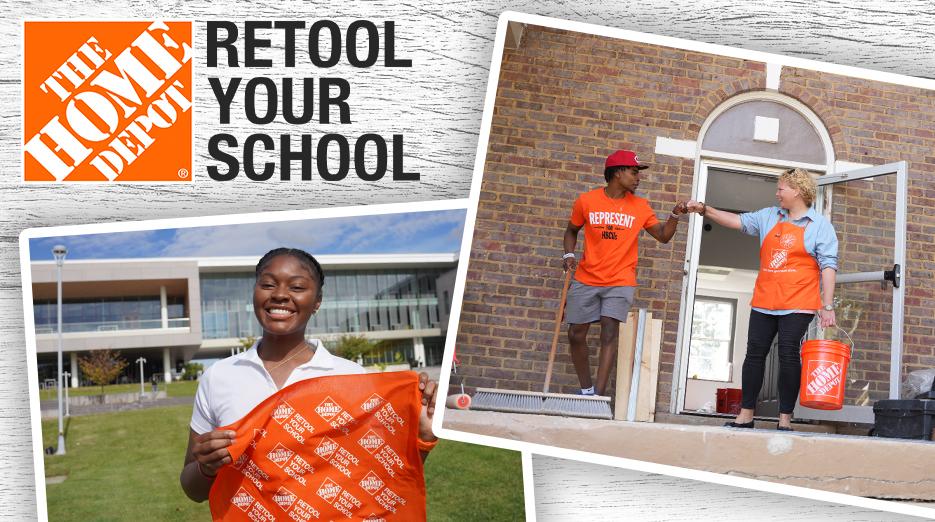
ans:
(728, 400)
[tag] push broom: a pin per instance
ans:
(545, 403)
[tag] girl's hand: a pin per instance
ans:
(826, 318)
(428, 388)
(210, 450)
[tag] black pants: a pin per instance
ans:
(763, 328)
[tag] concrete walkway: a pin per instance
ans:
(50, 408)
(855, 465)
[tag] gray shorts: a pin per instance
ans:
(586, 304)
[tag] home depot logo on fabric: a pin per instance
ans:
(107, 101)
(282, 412)
(332, 412)
(778, 259)
(787, 241)
(326, 448)
(280, 455)
(329, 490)
(372, 403)
(371, 483)
(328, 409)
(371, 441)
(284, 498)
(242, 499)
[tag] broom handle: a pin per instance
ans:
(558, 327)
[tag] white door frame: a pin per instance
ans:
(705, 159)
(693, 253)
(865, 414)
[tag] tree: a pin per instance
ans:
(355, 347)
(247, 342)
(102, 367)
(191, 371)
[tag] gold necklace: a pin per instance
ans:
(287, 359)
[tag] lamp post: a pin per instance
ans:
(67, 376)
(141, 360)
(58, 252)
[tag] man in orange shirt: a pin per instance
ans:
(605, 280)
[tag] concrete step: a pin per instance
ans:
(856, 465)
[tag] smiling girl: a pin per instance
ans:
(287, 293)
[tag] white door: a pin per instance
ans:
(887, 192)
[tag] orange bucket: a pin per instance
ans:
(824, 373)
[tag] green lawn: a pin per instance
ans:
(176, 389)
(125, 466)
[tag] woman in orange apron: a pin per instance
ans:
(798, 263)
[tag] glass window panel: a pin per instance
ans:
(711, 341)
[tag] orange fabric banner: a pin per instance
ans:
(330, 448)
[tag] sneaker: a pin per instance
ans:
(588, 393)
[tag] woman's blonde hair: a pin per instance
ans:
(802, 181)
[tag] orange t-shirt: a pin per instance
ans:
(611, 230)
(331, 448)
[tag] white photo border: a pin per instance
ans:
(35, 415)
(596, 458)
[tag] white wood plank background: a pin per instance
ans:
(570, 491)
(436, 104)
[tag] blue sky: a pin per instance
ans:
(413, 232)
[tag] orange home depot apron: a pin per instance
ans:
(330, 448)
(789, 276)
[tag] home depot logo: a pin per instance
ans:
(778, 259)
(280, 455)
(284, 498)
(282, 412)
(326, 448)
(371, 483)
(328, 409)
(371, 404)
(823, 378)
(242, 499)
(371, 441)
(329, 490)
(107, 101)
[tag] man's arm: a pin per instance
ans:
(663, 232)
(721, 217)
(569, 242)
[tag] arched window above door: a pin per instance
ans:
(769, 126)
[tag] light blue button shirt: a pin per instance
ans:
(821, 242)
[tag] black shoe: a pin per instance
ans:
(784, 428)
(739, 424)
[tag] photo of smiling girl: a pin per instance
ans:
(287, 293)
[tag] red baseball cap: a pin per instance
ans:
(624, 158)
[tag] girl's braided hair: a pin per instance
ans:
(304, 257)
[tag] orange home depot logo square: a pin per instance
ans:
(107, 101)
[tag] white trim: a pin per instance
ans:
(757, 160)
(529, 489)
(844, 166)
(678, 148)
(773, 75)
(327, 260)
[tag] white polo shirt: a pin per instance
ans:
(232, 387)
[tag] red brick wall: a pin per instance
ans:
(564, 101)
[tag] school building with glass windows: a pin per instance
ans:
(173, 311)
